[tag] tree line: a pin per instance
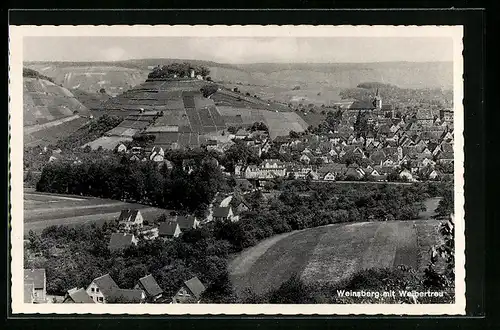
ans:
(180, 70)
(189, 185)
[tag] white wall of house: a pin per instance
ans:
(95, 293)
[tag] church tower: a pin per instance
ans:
(377, 102)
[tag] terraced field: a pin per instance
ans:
(52, 134)
(43, 210)
(331, 253)
(44, 102)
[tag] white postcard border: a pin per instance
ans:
(16, 34)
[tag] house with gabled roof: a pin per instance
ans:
(224, 213)
(358, 152)
(121, 148)
(129, 219)
(169, 230)
(121, 241)
(394, 128)
(447, 137)
(326, 173)
(333, 153)
(35, 282)
(444, 157)
(77, 296)
(446, 147)
(187, 222)
(354, 171)
(190, 292)
(241, 134)
(157, 154)
(406, 174)
(29, 293)
(104, 290)
(305, 158)
(150, 287)
(378, 156)
(241, 206)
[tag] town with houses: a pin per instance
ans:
(172, 181)
(400, 149)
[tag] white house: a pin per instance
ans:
(104, 289)
(121, 148)
(35, 283)
(406, 174)
(131, 219)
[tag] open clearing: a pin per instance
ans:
(43, 210)
(331, 253)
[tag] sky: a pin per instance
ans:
(240, 50)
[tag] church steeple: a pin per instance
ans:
(377, 102)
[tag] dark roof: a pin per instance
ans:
(128, 215)
(243, 183)
(35, 276)
(221, 211)
(195, 286)
(362, 105)
(186, 222)
(333, 167)
(167, 228)
(107, 285)
(445, 155)
(447, 147)
(80, 296)
(150, 285)
(120, 241)
(28, 292)
(424, 114)
(128, 295)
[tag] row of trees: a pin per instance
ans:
(30, 73)
(180, 70)
(190, 185)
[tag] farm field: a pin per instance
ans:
(279, 123)
(331, 253)
(43, 210)
(315, 94)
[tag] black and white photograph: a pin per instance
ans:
(237, 170)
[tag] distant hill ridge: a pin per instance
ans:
(329, 75)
